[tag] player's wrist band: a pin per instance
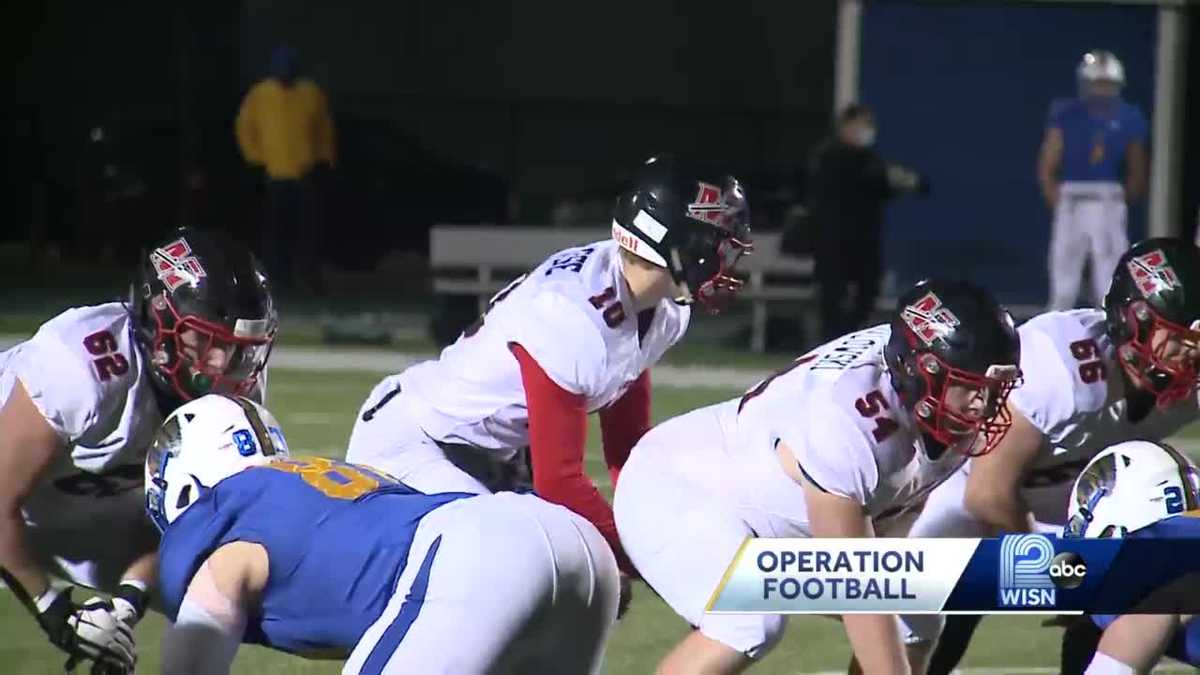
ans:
(133, 591)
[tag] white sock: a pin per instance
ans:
(1103, 664)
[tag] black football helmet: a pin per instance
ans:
(953, 345)
(691, 220)
(1153, 317)
(204, 315)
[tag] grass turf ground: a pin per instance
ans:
(316, 411)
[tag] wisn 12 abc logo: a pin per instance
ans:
(1030, 573)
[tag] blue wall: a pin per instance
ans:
(961, 91)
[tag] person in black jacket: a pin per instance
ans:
(848, 185)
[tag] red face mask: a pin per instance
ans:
(718, 291)
(1162, 358)
(963, 410)
(200, 357)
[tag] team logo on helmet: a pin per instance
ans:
(929, 319)
(709, 205)
(1152, 273)
(175, 265)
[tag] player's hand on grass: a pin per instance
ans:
(89, 631)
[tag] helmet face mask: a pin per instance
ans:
(198, 357)
(962, 410)
(204, 315)
(709, 278)
(1153, 313)
(1161, 357)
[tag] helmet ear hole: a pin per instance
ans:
(185, 497)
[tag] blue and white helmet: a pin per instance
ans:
(202, 443)
(1131, 485)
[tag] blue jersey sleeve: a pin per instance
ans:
(189, 541)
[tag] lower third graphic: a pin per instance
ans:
(1025, 571)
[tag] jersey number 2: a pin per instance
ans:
(1174, 499)
(111, 361)
(870, 406)
(1092, 368)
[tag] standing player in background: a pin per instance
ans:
(327, 560)
(1092, 378)
(1141, 489)
(82, 400)
(576, 335)
(837, 445)
(1090, 143)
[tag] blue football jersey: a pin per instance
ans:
(337, 536)
(1094, 143)
(1185, 646)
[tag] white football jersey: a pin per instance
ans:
(1075, 394)
(84, 372)
(573, 314)
(836, 410)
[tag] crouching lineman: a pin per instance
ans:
(1092, 378)
(576, 335)
(322, 558)
(1141, 489)
(82, 400)
(833, 446)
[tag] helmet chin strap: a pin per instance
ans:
(683, 293)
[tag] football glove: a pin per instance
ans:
(88, 631)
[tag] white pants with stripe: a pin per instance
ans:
(387, 436)
(504, 583)
(1091, 219)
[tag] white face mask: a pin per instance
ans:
(866, 137)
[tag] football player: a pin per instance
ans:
(1092, 162)
(1140, 489)
(82, 400)
(322, 558)
(1092, 378)
(578, 334)
(836, 445)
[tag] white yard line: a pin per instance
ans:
(316, 359)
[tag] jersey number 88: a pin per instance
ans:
(335, 479)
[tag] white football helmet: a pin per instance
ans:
(202, 443)
(1100, 65)
(1131, 485)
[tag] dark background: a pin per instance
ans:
(555, 99)
(484, 111)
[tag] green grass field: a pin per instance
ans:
(317, 409)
